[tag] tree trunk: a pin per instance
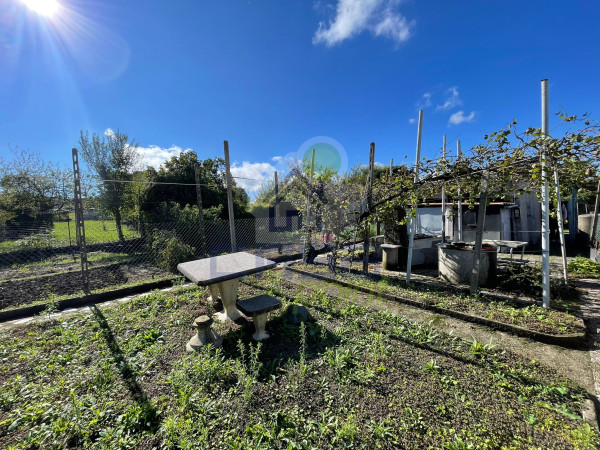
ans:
(118, 223)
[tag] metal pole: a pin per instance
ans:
(545, 204)
(230, 198)
(596, 213)
(369, 205)
(561, 226)
(200, 212)
(391, 167)
(307, 236)
(460, 211)
(443, 194)
(413, 220)
(80, 224)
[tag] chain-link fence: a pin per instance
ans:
(44, 262)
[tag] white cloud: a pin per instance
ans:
(154, 155)
(352, 17)
(424, 101)
(452, 100)
(109, 132)
(412, 120)
(251, 176)
(459, 117)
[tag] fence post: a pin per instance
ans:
(596, 213)
(230, 198)
(277, 211)
(369, 206)
(479, 233)
(80, 225)
(308, 234)
(200, 212)
(413, 220)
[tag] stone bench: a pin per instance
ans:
(258, 307)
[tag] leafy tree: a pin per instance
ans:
(113, 158)
(31, 187)
(179, 173)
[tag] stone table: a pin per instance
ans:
(223, 273)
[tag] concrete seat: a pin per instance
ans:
(258, 307)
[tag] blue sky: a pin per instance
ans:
(269, 75)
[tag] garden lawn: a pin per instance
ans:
(96, 232)
(119, 377)
(524, 315)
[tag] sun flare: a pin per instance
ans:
(46, 8)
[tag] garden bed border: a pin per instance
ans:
(85, 300)
(567, 340)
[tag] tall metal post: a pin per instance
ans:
(307, 236)
(596, 214)
(545, 204)
(80, 224)
(443, 195)
(369, 206)
(460, 210)
(230, 197)
(413, 220)
(200, 212)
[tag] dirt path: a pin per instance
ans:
(570, 363)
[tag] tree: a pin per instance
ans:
(113, 159)
(31, 188)
(174, 182)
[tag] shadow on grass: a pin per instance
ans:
(149, 416)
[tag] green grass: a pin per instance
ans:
(96, 231)
(532, 317)
(349, 378)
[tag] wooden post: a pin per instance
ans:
(307, 236)
(230, 198)
(277, 211)
(479, 233)
(369, 206)
(561, 227)
(200, 213)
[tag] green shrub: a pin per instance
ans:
(168, 250)
(584, 267)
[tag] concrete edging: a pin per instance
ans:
(84, 300)
(569, 340)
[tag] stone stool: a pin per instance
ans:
(205, 335)
(258, 308)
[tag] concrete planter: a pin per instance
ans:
(394, 257)
(455, 265)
